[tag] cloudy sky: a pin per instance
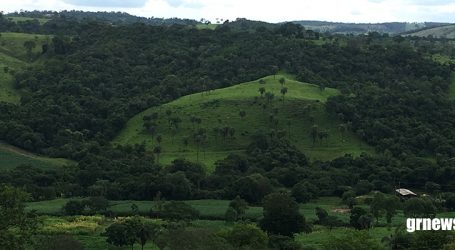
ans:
(265, 10)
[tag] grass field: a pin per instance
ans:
(13, 57)
(447, 31)
(213, 209)
(22, 19)
(11, 157)
(88, 229)
(211, 26)
(302, 107)
(7, 92)
(12, 44)
(451, 92)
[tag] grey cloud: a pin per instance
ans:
(108, 3)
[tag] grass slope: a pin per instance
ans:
(221, 108)
(13, 56)
(447, 31)
(23, 19)
(11, 157)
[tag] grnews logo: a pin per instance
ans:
(436, 224)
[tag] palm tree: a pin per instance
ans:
(159, 139)
(314, 133)
(275, 70)
(157, 150)
(269, 96)
(282, 81)
(262, 91)
(169, 113)
(284, 91)
(150, 127)
(242, 113)
(343, 128)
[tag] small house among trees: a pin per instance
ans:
(405, 193)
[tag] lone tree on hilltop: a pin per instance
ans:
(275, 70)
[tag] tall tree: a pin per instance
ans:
(283, 91)
(281, 215)
(29, 46)
(16, 225)
(261, 91)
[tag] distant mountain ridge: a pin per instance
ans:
(111, 17)
(446, 31)
(361, 28)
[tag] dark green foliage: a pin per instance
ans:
(281, 215)
(252, 188)
(192, 238)
(246, 236)
(280, 242)
(59, 242)
(353, 240)
(431, 240)
(16, 225)
(236, 209)
(321, 214)
(117, 234)
(304, 191)
(73, 207)
(419, 208)
(178, 210)
(354, 218)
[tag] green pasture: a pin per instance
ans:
(302, 107)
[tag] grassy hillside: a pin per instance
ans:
(211, 26)
(13, 57)
(11, 157)
(361, 28)
(303, 106)
(451, 92)
(447, 31)
(22, 19)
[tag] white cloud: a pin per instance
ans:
(272, 11)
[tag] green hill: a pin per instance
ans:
(303, 106)
(362, 28)
(13, 57)
(11, 157)
(23, 19)
(447, 31)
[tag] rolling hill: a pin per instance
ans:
(447, 31)
(13, 58)
(303, 104)
(361, 28)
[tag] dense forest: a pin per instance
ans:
(93, 76)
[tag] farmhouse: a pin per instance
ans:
(405, 193)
